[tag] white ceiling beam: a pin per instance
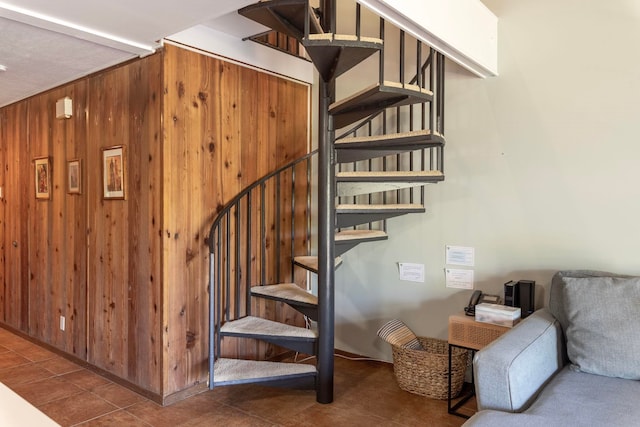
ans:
(465, 31)
(58, 25)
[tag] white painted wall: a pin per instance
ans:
(541, 172)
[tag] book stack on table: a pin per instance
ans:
(497, 314)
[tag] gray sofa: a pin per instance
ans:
(575, 363)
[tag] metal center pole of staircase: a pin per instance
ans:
(326, 237)
(326, 228)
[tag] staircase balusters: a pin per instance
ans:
(381, 54)
(230, 276)
(276, 239)
(263, 234)
(292, 252)
(248, 272)
(238, 269)
(358, 20)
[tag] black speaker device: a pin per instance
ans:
(521, 294)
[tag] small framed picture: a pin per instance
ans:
(113, 172)
(43, 177)
(74, 177)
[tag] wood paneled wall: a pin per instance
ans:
(131, 276)
(125, 256)
(56, 227)
(225, 126)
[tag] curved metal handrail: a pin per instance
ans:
(225, 210)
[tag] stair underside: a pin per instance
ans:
(356, 183)
(286, 292)
(235, 371)
(346, 240)
(352, 215)
(292, 337)
(291, 294)
(285, 16)
(375, 99)
(311, 263)
(335, 54)
(353, 149)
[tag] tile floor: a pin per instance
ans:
(366, 394)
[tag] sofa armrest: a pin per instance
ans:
(511, 371)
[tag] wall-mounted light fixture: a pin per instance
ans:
(64, 108)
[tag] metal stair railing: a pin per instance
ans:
(429, 74)
(250, 242)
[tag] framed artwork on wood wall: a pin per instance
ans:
(74, 177)
(113, 172)
(43, 177)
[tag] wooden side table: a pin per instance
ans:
(465, 332)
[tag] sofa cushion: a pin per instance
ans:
(603, 319)
(556, 293)
(573, 399)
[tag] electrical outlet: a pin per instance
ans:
(62, 323)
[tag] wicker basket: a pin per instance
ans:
(426, 372)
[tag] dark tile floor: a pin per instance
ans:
(366, 394)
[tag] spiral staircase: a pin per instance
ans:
(389, 147)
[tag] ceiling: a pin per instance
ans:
(45, 43)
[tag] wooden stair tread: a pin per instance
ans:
(236, 371)
(347, 235)
(368, 176)
(374, 99)
(354, 148)
(393, 137)
(334, 54)
(369, 182)
(343, 37)
(259, 327)
(285, 16)
(286, 292)
(359, 208)
(311, 262)
(349, 238)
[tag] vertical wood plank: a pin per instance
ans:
(144, 269)
(40, 225)
(17, 180)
